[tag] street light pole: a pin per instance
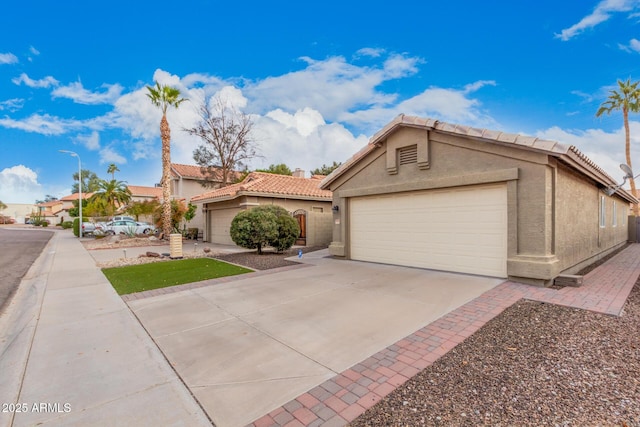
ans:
(74, 154)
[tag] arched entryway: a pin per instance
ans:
(301, 216)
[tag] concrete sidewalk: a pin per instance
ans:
(71, 352)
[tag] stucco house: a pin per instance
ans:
(188, 181)
(67, 203)
(435, 195)
(301, 196)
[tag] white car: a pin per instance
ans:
(127, 227)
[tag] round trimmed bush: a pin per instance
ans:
(264, 226)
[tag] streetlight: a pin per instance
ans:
(74, 154)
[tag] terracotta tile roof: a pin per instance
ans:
(195, 172)
(569, 154)
(74, 196)
(141, 191)
(51, 203)
(261, 183)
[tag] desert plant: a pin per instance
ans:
(67, 224)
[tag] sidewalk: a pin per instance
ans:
(73, 354)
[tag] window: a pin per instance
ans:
(603, 210)
(317, 209)
(615, 214)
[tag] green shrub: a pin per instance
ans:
(288, 229)
(44, 224)
(76, 226)
(264, 226)
(66, 225)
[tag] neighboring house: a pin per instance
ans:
(67, 203)
(435, 195)
(188, 181)
(49, 211)
(302, 197)
(143, 194)
(19, 211)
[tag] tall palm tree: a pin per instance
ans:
(163, 97)
(626, 99)
(111, 195)
(112, 169)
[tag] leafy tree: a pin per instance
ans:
(90, 182)
(111, 195)
(112, 169)
(47, 198)
(227, 138)
(280, 169)
(326, 170)
(264, 226)
(75, 211)
(163, 97)
(178, 209)
(626, 99)
(190, 213)
(146, 207)
(2, 206)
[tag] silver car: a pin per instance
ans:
(127, 227)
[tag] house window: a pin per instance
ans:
(603, 210)
(615, 214)
(407, 155)
(317, 209)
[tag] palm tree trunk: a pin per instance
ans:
(627, 151)
(165, 135)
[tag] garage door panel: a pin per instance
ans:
(220, 222)
(462, 230)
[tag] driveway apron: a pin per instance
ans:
(251, 345)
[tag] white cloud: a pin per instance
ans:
(8, 58)
(634, 46)
(91, 141)
(600, 14)
(606, 149)
(12, 104)
(19, 184)
(34, 51)
(76, 92)
(42, 124)
(369, 51)
(446, 104)
(109, 155)
(331, 86)
(304, 121)
(282, 143)
(42, 83)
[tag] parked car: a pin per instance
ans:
(90, 227)
(123, 218)
(127, 227)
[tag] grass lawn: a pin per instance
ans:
(155, 275)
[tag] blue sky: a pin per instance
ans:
(318, 79)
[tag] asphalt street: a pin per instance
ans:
(18, 250)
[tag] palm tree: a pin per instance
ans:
(627, 99)
(111, 195)
(112, 169)
(163, 96)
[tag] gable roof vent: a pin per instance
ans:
(408, 155)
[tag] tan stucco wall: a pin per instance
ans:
(579, 235)
(187, 189)
(537, 212)
(318, 223)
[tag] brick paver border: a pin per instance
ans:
(344, 397)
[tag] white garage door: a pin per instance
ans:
(219, 225)
(462, 230)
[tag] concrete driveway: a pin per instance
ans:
(249, 346)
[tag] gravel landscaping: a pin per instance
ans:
(268, 259)
(535, 364)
